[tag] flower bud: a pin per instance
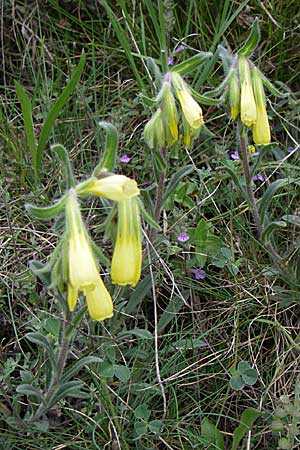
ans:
(190, 108)
(154, 134)
(248, 107)
(261, 129)
(169, 113)
(234, 95)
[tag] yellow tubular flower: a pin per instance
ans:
(169, 113)
(234, 95)
(248, 107)
(190, 108)
(114, 187)
(127, 257)
(83, 274)
(261, 129)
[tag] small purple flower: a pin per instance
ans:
(125, 158)
(199, 274)
(183, 237)
(259, 177)
(235, 155)
(180, 48)
(290, 149)
(170, 60)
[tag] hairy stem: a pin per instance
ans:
(251, 196)
(56, 377)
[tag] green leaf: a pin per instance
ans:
(189, 344)
(138, 295)
(200, 238)
(28, 124)
(248, 418)
(142, 412)
(52, 326)
(249, 377)
(252, 40)
(236, 382)
(70, 389)
(290, 218)
(205, 100)
(243, 366)
(156, 426)
(78, 365)
(123, 39)
(122, 373)
(107, 369)
(143, 334)
(170, 312)
(29, 390)
(271, 88)
(149, 219)
(268, 230)
(231, 170)
(41, 271)
(269, 194)
(175, 180)
(55, 111)
(140, 428)
(192, 63)
(39, 339)
(63, 155)
(211, 434)
(47, 212)
(108, 161)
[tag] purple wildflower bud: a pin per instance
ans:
(183, 237)
(170, 60)
(235, 155)
(125, 158)
(290, 149)
(199, 274)
(180, 48)
(259, 177)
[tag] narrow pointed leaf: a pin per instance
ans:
(271, 88)
(63, 155)
(192, 63)
(29, 390)
(207, 100)
(78, 365)
(110, 148)
(252, 40)
(175, 180)
(248, 418)
(28, 124)
(149, 219)
(266, 235)
(47, 212)
(39, 339)
(269, 194)
(56, 109)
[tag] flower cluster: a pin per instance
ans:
(162, 128)
(79, 271)
(247, 98)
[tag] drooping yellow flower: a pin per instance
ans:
(127, 257)
(114, 187)
(83, 275)
(234, 95)
(248, 106)
(261, 129)
(154, 132)
(169, 113)
(190, 108)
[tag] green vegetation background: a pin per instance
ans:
(242, 311)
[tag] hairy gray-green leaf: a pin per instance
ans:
(252, 40)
